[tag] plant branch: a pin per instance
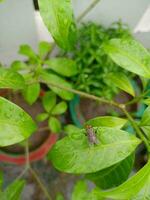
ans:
(40, 183)
(87, 10)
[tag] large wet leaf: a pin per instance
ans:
(58, 17)
(11, 79)
(130, 188)
(107, 121)
(74, 154)
(15, 124)
(114, 175)
(54, 79)
(130, 55)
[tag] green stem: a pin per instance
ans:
(137, 129)
(87, 10)
(40, 184)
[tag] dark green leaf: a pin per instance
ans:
(13, 191)
(122, 82)
(74, 154)
(15, 124)
(49, 101)
(54, 125)
(31, 93)
(130, 55)
(59, 108)
(129, 188)
(58, 17)
(1, 180)
(53, 79)
(11, 79)
(113, 176)
(44, 49)
(107, 121)
(63, 66)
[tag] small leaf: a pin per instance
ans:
(54, 125)
(10, 79)
(59, 197)
(44, 49)
(1, 180)
(147, 101)
(31, 93)
(107, 121)
(63, 66)
(26, 50)
(122, 82)
(114, 175)
(130, 55)
(58, 17)
(80, 191)
(49, 101)
(70, 128)
(18, 65)
(54, 79)
(73, 153)
(129, 188)
(59, 108)
(42, 117)
(13, 191)
(15, 124)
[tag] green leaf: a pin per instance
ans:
(31, 93)
(145, 122)
(42, 117)
(58, 17)
(54, 79)
(129, 188)
(59, 197)
(26, 50)
(13, 191)
(54, 125)
(15, 124)
(1, 180)
(144, 193)
(18, 65)
(59, 108)
(80, 191)
(107, 121)
(63, 66)
(49, 101)
(130, 55)
(74, 154)
(11, 79)
(44, 49)
(147, 101)
(70, 128)
(122, 82)
(114, 175)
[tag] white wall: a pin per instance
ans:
(17, 21)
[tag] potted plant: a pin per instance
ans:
(102, 151)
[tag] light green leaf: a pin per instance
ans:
(122, 82)
(147, 101)
(49, 101)
(59, 108)
(74, 154)
(59, 197)
(63, 66)
(70, 128)
(54, 125)
(107, 121)
(31, 93)
(26, 50)
(54, 79)
(18, 65)
(114, 175)
(13, 191)
(129, 188)
(44, 49)
(58, 17)
(42, 117)
(11, 79)
(130, 55)
(15, 124)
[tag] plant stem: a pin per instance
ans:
(87, 10)
(27, 154)
(137, 129)
(40, 183)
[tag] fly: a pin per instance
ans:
(91, 135)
